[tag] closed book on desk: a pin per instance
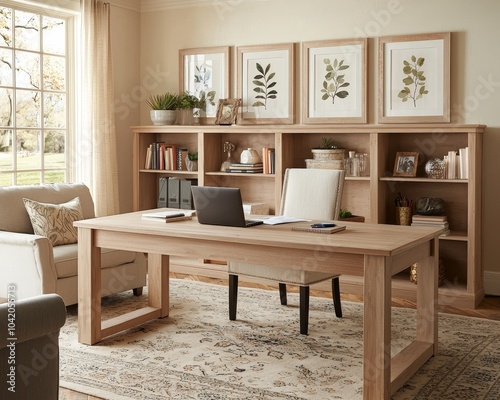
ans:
(328, 230)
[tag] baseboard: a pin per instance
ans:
(492, 283)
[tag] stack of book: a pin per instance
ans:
(431, 220)
(255, 168)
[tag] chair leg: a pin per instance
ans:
(137, 291)
(233, 296)
(336, 297)
(304, 309)
(283, 294)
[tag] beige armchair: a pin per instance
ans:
(30, 363)
(307, 193)
(37, 266)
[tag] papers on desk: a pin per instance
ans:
(280, 219)
(169, 216)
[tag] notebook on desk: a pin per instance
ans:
(220, 206)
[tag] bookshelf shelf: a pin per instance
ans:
(371, 196)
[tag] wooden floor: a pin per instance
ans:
(488, 309)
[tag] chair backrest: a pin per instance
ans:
(312, 193)
(13, 214)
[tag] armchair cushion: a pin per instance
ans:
(55, 221)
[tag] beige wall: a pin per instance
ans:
(475, 61)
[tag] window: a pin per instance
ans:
(34, 96)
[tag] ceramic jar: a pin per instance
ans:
(249, 156)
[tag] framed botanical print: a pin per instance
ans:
(334, 81)
(414, 78)
(205, 73)
(266, 84)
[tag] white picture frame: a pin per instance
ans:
(266, 84)
(334, 81)
(403, 60)
(206, 70)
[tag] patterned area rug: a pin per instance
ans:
(197, 353)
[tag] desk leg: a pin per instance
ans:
(89, 288)
(158, 282)
(377, 329)
(427, 299)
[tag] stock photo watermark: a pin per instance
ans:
(11, 338)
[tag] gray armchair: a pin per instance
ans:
(30, 363)
(37, 266)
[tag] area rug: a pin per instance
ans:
(197, 353)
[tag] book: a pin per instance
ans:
(250, 171)
(430, 223)
(240, 165)
(329, 230)
(435, 218)
(167, 216)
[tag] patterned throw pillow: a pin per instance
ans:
(55, 221)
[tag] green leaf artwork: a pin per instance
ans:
(414, 81)
(202, 80)
(264, 86)
(334, 80)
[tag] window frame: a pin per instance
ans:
(71, 16)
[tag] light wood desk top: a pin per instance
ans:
(376, 252)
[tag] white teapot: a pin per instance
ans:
(249, 156)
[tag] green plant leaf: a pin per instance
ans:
(408, 80)
(258, 104)
(259, 68)
(271, 76)
(335, 63)
(258, 83)
(326, 60)
(407, 69)
(420, 61)
(343, 94)
(345, 84)
(413, 58)
(272, 84)
(343, 67)
(267, 69)
(325, 96)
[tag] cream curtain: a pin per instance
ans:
(96, 142)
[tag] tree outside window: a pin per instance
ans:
(33, 98)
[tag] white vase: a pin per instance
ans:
(162, 117)
(249, 156)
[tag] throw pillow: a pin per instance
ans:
(55, 221)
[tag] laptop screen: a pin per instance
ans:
(219, 206)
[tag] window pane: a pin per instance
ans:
(5, 107)
(27, 70)
(28, 178)
(54, 72)
(5, 26)
(53, 35)
(5, 67)
(6, 163)
(54, 176)
(28, 150)
(54, 108)
(54, 150)
(27, 109)
(27, 31)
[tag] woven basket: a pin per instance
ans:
(441, 277)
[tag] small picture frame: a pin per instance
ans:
(227, 110)
(406, 164)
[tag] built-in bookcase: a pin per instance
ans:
(371, 196)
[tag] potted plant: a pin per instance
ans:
(163, 108)
(327, 155)
(185, 108)
(346, 215)
(192, 161)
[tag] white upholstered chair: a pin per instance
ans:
(311, 194)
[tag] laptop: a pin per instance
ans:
(220, 206)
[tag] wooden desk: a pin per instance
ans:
(376, 252)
